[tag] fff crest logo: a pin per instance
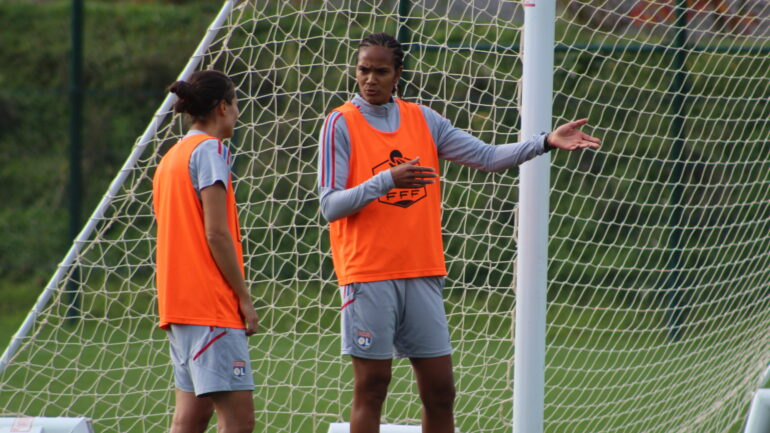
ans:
(401, 197)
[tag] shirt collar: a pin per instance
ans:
(194, 131)
(374, 110)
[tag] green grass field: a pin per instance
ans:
(601, 375)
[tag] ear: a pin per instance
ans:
(397, 78)
(222, 108)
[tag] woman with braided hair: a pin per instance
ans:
(379, 189)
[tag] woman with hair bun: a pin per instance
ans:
(203, 301)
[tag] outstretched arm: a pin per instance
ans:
(455, 144)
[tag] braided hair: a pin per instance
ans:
(387, 41)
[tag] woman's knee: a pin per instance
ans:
(191, 415)
(236, 423)
(235, 410)
(191, 422)
(372, 387)
(243, 425)
(439, 397)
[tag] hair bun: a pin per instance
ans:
(199, 94)
(181, 88)
(186, 94)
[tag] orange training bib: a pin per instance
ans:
(399, 234)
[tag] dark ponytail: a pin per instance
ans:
(201, 93)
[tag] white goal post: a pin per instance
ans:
(656, 266)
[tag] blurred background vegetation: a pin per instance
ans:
(131, 53)
(124, 82)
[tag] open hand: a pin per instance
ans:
(569, 137)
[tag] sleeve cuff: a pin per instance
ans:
(387, 180)
(546, 147)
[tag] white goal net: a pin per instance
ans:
(659, 252)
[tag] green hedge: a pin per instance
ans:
(132, 51)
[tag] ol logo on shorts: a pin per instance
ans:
(239, 368)
(364, 339)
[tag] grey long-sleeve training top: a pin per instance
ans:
(453, 144)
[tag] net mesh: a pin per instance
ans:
(658, 254)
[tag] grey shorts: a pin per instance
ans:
(210, 359)
(402, 318)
